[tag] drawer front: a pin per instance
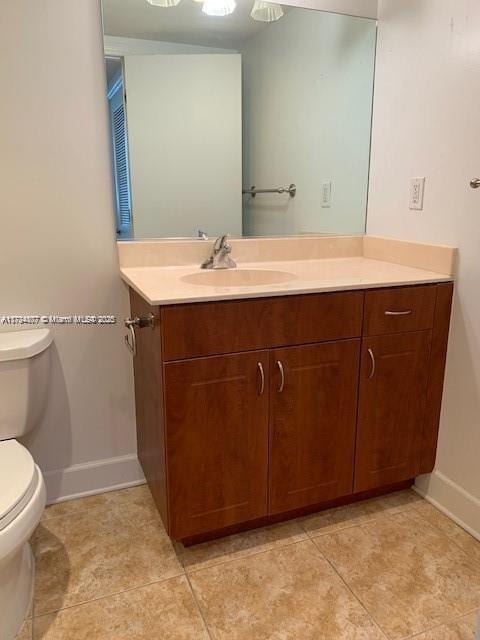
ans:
(399, 309)
(203, 329)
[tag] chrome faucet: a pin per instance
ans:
(220, 258)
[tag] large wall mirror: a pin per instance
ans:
(238, 116)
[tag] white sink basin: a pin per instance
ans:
(238, 277)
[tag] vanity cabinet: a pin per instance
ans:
(250, 411)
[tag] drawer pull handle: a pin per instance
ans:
(262, 378)
(372, 360)
(398, 313)
(282, 376)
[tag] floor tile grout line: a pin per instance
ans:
(85, 512)
(449, 537)
(312, 535)
(364, 523)
(200, 610)
(247, 555)
(74, 512)
(77, 514)
(105, 533)
(109, 595)
(445, 623)
(350, 590)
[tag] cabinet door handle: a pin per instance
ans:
(262, 378)
(372, 360)
(132, 343)
(131, 323)
(398, 313)
(282, 376)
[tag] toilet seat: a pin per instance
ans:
(19, 478)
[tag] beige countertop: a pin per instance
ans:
(164, 285)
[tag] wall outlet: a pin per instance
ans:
(417, 188)
(326, 194)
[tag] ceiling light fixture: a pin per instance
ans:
(219, 7)
(266, 11)
(163, 3)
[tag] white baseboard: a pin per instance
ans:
(450, 498)
(93, 477)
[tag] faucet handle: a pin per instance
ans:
(220, 258)
(220, 242)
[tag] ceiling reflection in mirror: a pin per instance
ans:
(242, 117)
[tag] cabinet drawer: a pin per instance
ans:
(400, 309)
(203, 329)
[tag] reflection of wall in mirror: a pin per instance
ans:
(363, 8)
(184, 131)
(308, 82)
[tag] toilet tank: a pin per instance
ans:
(24, 376)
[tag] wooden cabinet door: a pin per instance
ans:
(313, 405)
(217, 441)
(392, 401)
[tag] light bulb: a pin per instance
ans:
(266, 11)
(219, 7)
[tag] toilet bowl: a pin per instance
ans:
(24, 373)
(21, 508)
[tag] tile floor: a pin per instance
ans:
(393, 567)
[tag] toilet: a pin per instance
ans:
(24, 375)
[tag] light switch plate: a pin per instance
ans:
(417, 189)
(326, 194)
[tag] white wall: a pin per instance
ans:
(115, 45)
(427, 98)
(362, 8)
(308, 82)
(57, 247)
